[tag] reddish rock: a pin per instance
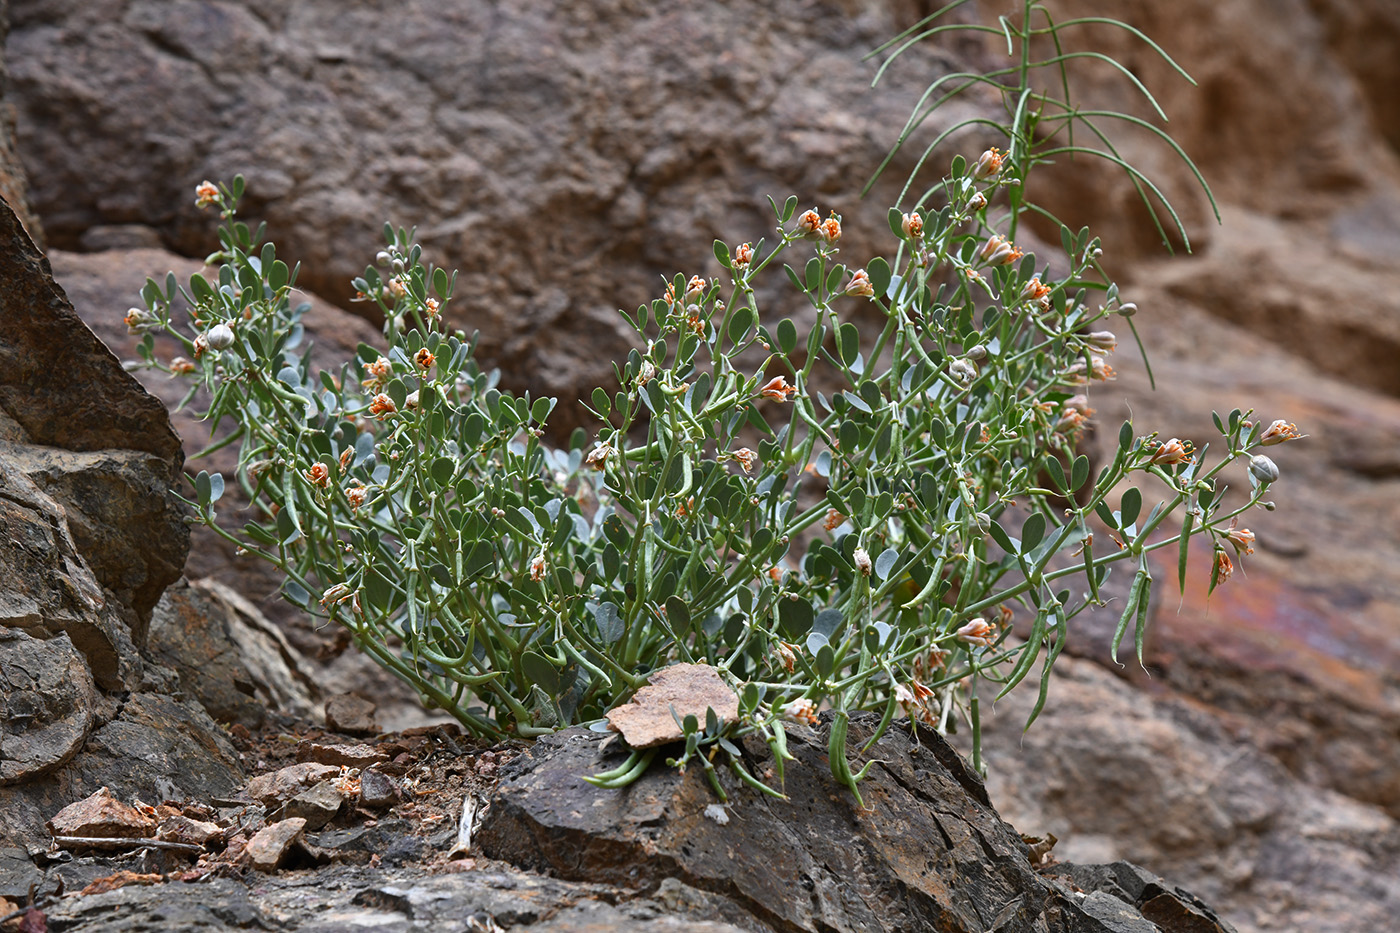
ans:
(317, 805)
(675, 692)
(267, 849)
(102, 816)
(277, 787)
(350, 714)
(177, 827)
(377, 790)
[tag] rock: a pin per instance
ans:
(269, 846)
(176, 827)
(119, 236)
(378, 791)
(344, 756)
(17, 873)
(929, 851)
(277, 787)
(101, 815)
(317, 805)
(14, 185)
(570, 162)
(351, 715)
(675, 692)
(47, 698)
(228, 655)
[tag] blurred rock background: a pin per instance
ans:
(565, 157)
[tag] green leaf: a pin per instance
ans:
(1079, 473)
(722, 253)
(442, 470)
(787, 335)
(1183, 548)
(609, 622)
(795, 617)
(788, 209)
(202, 487)
(601, 403)
(815, 339)
(826, 661)
(1003, 539)
(1130, 506)
(879, 271)
(539, 671)
(1057, 475)
(812, 274)
(740, 323)
(1033, 530)
(677, 615)
(1125, 436)
(885, 563)
(541, 408)
(848, 342)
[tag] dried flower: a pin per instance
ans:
(319, 475)
(201, 345)
(777, 388)
(988, 164)
(977, 632)
(694, 288)
(410, 401)
(977, 202)
(746, 457)
(913, 226)
(424, 358)
(1263, 469)
(787, 655)
(802, 711)
(346, 456)
(1241, 538)
(337, 593)
(1222, 569)
(962, 371)
(181, 366)
(998, 251)
(646, 373)
(356, 495)
(379, 372)
(538, 565)
(397, 288)
(743, 255)
(138, 319)
(809, 223)
(205, 194)
(381, 406)
(598, 457)
(834, 520)
(1035, 290)
(1172, 452)
(861, 558)
(432, 307)
(860, 285)
(831, 229)
(1278, 432)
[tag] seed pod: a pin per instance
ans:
(1263, 469)
(220, 337)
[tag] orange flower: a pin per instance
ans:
(1222, 569)
(860, 285)
(778, 389)
(356, 496)
(205, 194)
(802, 711)
(746, 457)
(432, 307)
(988, 164)
(913, 226)
(1241, 538)
(318, 475)
(381, 406)
(831, 229)
(1172, 452)
(743, 255)
(809, 223)
(834, 520)
(998, 251)
(424, 358)
(977, 632)
(1278, 432)
(181, 366)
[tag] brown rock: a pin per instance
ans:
(317, 805)
(14, 185)
(102, 815)
(347, 756)
(177, 827)
(650, 717)
(378, 791)
(277, 787)
(350, 714)
(268, 848)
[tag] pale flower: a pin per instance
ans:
(777, 388)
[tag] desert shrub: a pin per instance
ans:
(829, 519)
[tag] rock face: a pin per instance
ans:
(562, 158)
(928, 853)
(14, 185)
(89, 537)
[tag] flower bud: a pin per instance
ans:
(220, 337)
(1128, 309)
(988, 164)
(962, 371)
(862, 561)
(977, 202)
(977, 353)
(1263, 469)
(913, 226)
(1102, 340)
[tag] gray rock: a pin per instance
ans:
(278, 787)
(46, 702)
(269, 846)
(378, 790)
(350, 714)
(316, 806)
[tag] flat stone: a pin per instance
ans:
(672, 693)
(317, 805)
(268, 848)
(377, 790)
(102, 815)
(277, 787)
(345, 756)
(351, 715)
(177, 827)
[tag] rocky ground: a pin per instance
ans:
(1254, 761)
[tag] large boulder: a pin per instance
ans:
(90, 536)
(564, 159)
